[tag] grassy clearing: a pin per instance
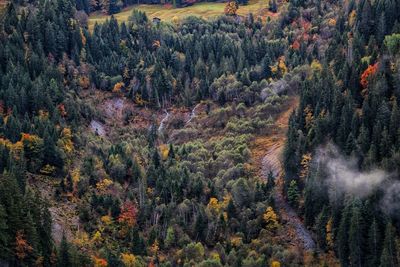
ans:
(204, 10)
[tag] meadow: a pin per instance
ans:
(204, 10)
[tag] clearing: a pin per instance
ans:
(204, 10)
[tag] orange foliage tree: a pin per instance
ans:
(22, 248)
(371, 70)
(118, 87)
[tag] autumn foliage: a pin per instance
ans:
(99, 262)
(128, 214)
(271, 219)
(22, 248)
(371, 70)
(231, 8)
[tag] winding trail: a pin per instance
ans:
(267, 154)
(270, 162)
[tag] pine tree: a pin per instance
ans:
(389, 252)
(394, 121)
(270, 181)
(64, 256)
(342, 240)
(138, 247)
(356, 239)
(273, 7)
(365, 19)
(293, 193)
(4, 237)
(320, 228)
(374, 244)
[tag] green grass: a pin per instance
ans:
(204, 10)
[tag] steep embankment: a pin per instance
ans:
(266, 154)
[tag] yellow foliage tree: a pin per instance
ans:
(329, 234)
(164, 151)
(231, 8)
(97, 238)
(271, 219)
(107, 219)
(128, 259)
(352, 18)
(103, 185)
(47, 169)
(316, 66)
(275, 264)
(308, 116)
(65, 142)
(175, 19)
(305, 165)
(236, 241)
(81, 239)
(139, 100)
(332, 22)
(282, 66)
(214, 206)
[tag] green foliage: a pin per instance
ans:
(293, 193)
(392, 42)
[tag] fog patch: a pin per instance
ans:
(343, 177)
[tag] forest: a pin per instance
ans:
(271, 139)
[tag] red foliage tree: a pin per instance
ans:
(128, 214)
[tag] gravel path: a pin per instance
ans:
(271, 162)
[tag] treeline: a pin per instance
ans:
(159, 64)
(353, 101)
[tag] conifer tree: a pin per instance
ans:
(64, 256)
(374, 244)
(356, 239)
(389, 252)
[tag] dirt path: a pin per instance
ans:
(266, 155)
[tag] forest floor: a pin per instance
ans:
(266, 156)
(204, 10)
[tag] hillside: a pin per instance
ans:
(215, 138)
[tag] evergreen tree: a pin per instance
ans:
(64, 256)
(4, 238)
(389, 252)
(343, 237)
(293, 193)
(356, 239)
(374, 244)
